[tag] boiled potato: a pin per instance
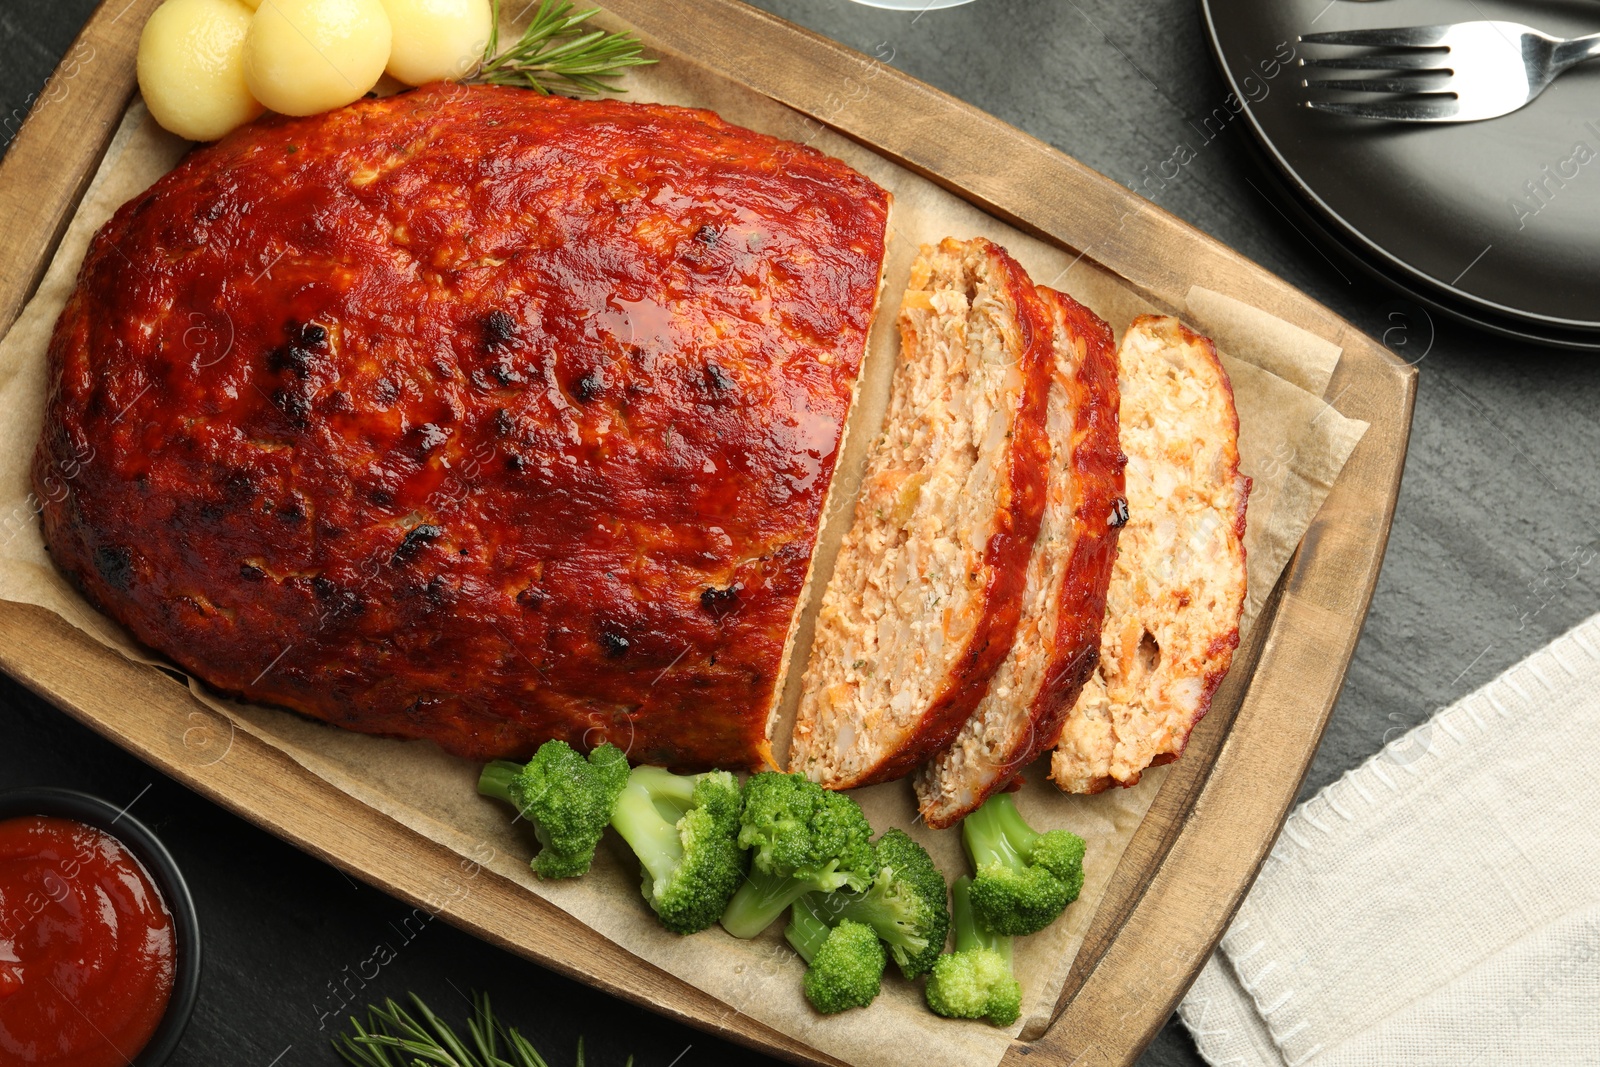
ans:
(306, 56)
(436, 40)
(191, 67)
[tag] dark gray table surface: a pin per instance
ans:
(1494, 550)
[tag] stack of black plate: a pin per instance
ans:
(1496, 223)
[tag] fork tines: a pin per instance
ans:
(1416, 70)
(1430, 107)
(1430, 60)
(1390, 37)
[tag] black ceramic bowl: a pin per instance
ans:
(92, 811)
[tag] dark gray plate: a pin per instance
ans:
(1495, 222)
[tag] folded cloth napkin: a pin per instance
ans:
(1440, 904)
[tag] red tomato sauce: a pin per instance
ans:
(87, 946)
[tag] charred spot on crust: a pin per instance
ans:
(531, 598)
(442, 590)
(295, 407)
(589, 386)
(615, 645)
(502, 423)
(720, 603)
(339, 602)
(381, 498)
(292, 358)
(239, 487)
(114, 564)
(251, 573)
(311, 335)
(516, 463)
(499, 329)
(422, 709)
(703, 243)
(717, 381)
(1119, 514)
(414, 540)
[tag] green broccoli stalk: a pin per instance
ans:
(685, 831)
(845, 962)
(906, 904)
(805, 840)
(975, 981)
(1025, 879)
(566, 798)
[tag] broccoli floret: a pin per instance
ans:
(805, 839)
(975, 981)
(845, 961)
(567, 799)
(906, 904)
(1025, 879)
(685, 831)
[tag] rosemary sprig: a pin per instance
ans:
(391, 1029)
(557, 54)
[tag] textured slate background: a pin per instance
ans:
(1494, 551)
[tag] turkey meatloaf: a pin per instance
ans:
(1178, 587)
(1064, 600)
(470, 414)
(926, 592)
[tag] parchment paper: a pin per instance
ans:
(1292, 443)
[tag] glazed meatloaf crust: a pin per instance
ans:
(1178, 587)
(925, 595)
(1064, 601)
(471, 414)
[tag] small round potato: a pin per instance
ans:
(307, 56)
(437, 40)
(191, 67)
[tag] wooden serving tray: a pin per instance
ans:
(1218, 812)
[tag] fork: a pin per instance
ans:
(1463, 72)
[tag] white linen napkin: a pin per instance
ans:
(1439, 904)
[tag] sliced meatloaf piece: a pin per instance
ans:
(1064, 604)
(1178, 587)
(926, 590)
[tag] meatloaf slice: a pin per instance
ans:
(470, 414)
(1064, 603)
(926, 591)
(1178, 587)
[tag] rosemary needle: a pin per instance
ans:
(414, 1043)
(556, 53)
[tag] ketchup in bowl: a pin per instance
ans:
(87, 946)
